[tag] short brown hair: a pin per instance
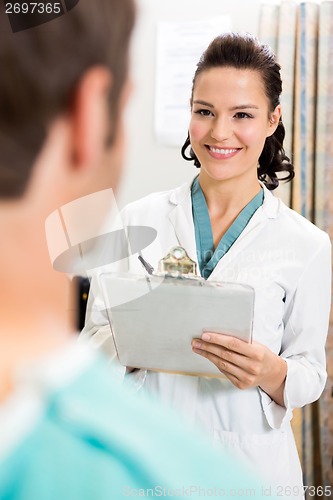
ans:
(40, 69)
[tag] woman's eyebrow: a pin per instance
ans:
(233, 108)
(204, 103)
(244, 106)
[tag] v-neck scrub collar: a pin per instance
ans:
(207, 256)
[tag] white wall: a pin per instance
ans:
(151, 167)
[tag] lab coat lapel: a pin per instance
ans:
(268, 210)
(251, 231)
(181, 219)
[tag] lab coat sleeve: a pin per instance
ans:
(97, 330)
(303, 343)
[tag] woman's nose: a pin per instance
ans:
(221, 129)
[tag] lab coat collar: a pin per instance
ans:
(182, 220)
(270, 207)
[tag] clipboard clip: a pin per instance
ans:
(177, 264)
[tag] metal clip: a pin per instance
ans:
(177, 263)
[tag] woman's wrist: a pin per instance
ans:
(273, 384)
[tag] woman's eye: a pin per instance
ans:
(242, 115)
(203, 112)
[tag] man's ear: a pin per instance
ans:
(274, 120)
(90, 117)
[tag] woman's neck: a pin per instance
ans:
(227, 196)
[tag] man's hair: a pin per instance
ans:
(40, 69)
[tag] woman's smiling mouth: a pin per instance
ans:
(222, 153)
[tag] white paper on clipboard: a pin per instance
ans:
(154, 319)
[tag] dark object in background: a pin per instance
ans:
(80, 292)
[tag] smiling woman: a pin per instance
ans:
(243, 78)
(228, 132)
(237, 231)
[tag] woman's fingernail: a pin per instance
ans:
(196, 344)
(205, 336)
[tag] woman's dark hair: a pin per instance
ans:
(244, 51)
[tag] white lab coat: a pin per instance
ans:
(288, 262)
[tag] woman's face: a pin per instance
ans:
(230, 120)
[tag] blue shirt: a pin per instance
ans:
(208, 257)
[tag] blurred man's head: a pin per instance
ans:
(63, 71)
(63, 87)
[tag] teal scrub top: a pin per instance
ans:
(208, 257)
(97, 440)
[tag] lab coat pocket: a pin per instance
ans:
(266, 454)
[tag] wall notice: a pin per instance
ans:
(178, 49)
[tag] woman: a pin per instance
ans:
(230, 223)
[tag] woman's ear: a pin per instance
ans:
(274, 120)
(90, 117)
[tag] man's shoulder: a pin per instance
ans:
(98, 439)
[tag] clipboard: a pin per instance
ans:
(153, 319)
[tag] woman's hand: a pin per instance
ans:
(245, 365)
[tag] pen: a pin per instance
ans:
(145, 264)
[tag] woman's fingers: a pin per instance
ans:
(228, 342)
(225, 355)
(243, 363)
(235, 374)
